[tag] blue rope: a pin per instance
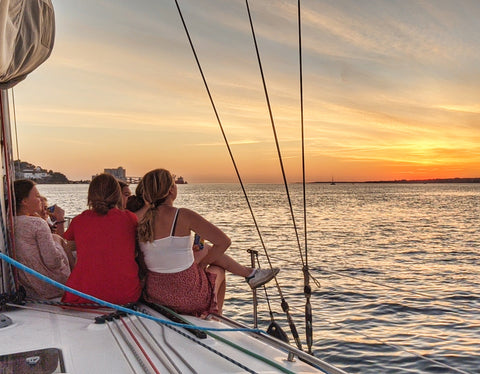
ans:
(115, 306)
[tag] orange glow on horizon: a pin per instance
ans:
(387, 96)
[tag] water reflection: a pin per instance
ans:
(398, 266)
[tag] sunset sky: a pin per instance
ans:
(391, 88)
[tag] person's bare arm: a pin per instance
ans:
(208, 231)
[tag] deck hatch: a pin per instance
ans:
(40, 361)
(5, 321)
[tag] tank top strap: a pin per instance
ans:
(174, 223)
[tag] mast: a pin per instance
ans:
(5, 189)
(27, 44)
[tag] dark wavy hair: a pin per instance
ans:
(104, 193)
(22, 188)
(136, 202)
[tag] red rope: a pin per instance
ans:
(140, 346)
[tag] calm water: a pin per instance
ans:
(398, 267)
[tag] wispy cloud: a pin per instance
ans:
(388, 86)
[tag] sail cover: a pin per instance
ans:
(27, 33)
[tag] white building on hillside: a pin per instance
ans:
(36, 173)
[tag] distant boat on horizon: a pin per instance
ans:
(180, 180)
(332, 182)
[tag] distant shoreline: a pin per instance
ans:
(418, 181)
(401, 181)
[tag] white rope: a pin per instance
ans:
(121, 348)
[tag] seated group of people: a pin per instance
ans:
(127, 246)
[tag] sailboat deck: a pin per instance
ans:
(130, 344)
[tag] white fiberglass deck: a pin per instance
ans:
(136, 345)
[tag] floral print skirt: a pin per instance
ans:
(190, 291)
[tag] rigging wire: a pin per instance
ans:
(307, 290)
(267, 297)
(15, 123)
(274, 130)
(300, 59)
(284, 303)
(223, 132)
(386, 343)
(394, 346)
(285, 306)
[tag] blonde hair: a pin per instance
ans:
(104, 193)
(156, 185)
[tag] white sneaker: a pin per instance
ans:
(261, 276)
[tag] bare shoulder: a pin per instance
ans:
(188, 220)
(190, 217)
(188, 213)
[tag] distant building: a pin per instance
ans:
(119, 173)
(36, 173)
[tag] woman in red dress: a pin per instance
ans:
(104, 237)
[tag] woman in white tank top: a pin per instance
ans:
(187, 281)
